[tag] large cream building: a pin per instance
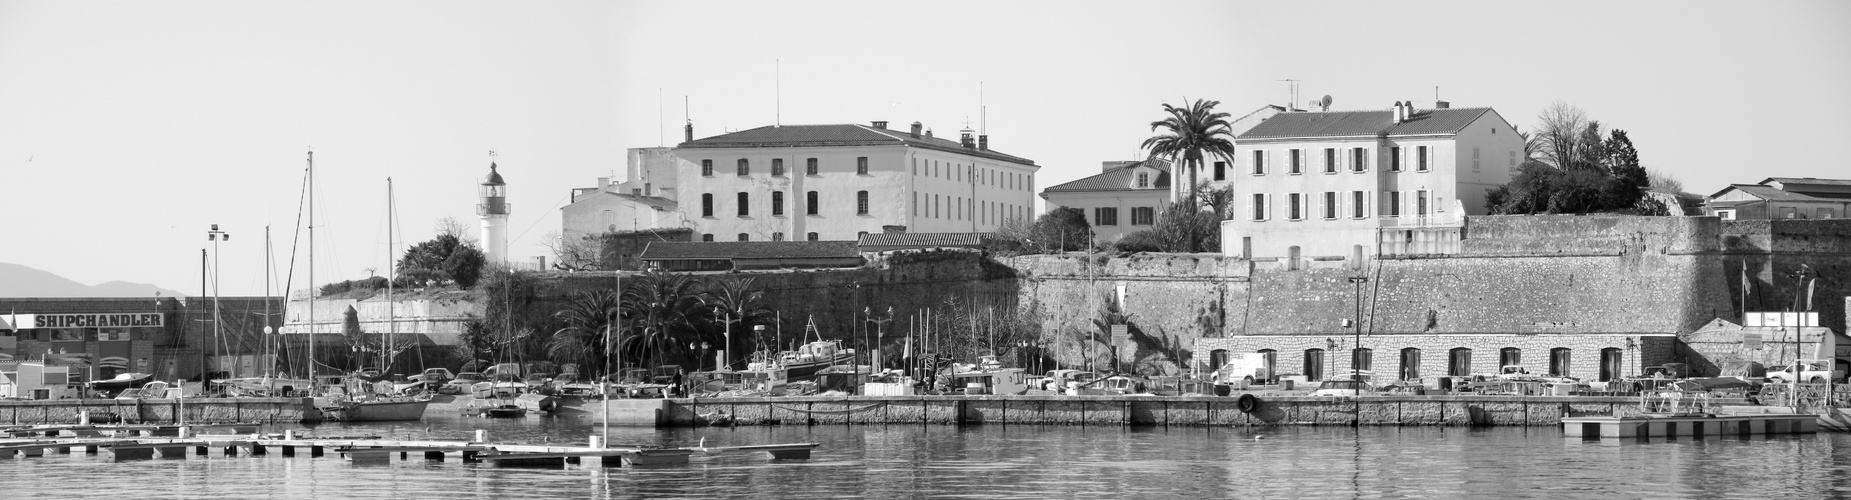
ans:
(837, 182)
(1357, 184)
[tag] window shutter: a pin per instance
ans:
(1268, 211)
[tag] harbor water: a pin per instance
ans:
(996, 461)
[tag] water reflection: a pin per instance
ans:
(1006, 462)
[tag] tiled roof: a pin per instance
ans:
(1117, 179)
(786, 136)
(653, 201)
(1808, 180)
(923, 239)
(716, 250)
(1353, 123)
(1769, 193)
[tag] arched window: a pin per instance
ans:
(1314, 365)
(812, 206)
(1559, 360)
(1610, 366)
(1361, 359)
(861, 202)
(1272, 363)
(1459, 362)
(745, 237)
(745, 167)
(1216, 358)
(1410, 364)
(1509, 356)
(810, 237)
(777, 236)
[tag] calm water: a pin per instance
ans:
(1006, 462)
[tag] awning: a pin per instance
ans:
(5, 325)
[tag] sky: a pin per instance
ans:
(127, 128)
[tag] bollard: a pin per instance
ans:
(481, 436)
(595, 443)
(289, 435)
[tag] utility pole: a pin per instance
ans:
(1356, 350)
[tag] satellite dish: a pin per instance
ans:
(1325, 102)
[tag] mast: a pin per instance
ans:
(267, 270)
(391, 273)
(311, 262)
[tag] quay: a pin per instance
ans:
(374, 451)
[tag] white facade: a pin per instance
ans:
(598, 210)
(1376, 185)
(1126, 197)
(836, 182)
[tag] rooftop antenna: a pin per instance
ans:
(1291, 84)
(1436, 94)
(661, 128)
(983, 112)
(778, 99)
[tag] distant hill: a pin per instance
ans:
(17, 281)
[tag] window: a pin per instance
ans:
(1459, 362)
(1105, 216)
(1142, 216)
(1558, 361)
(915, 203)
(1513, 158)
(1144, 179)
(861, 202)
(777, 203)
(1359, 160)
(1259, 162)
(745, 204)
(1221, 171)
(1789, 213)
(706, 168)
(1357, 205)
(1297, 161)
(1330, 204)
(1420, 202)
(1475, 158)
(745, 167)
(1509, 356)
(1410, 364)
(861, 165)
(809, 166)
(810, 237)
(1825, 213)
(1394, 203)
(744, 237)
(812, 208)
(1259, 206)
(1394, 159)
(1330, 160)
(932, 211)
(707, 237)
(1610, 364)
(1361, 359)
(1420, 159)
(1295, 203)
(777, 167)
(777, 236)
(1314, 364)
(706, 204)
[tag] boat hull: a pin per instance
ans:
(376, 411)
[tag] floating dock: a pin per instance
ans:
(1647, 427)
(373, 451)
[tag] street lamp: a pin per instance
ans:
(1356, 350)
(213, 235)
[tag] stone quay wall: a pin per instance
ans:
(158, 411)
(1190, 411)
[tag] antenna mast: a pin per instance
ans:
(1292, 86)
(777, 101)
(983, 112)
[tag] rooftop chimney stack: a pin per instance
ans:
(983, 142)
(928, 133)
(965, 139)
(1441, 105)
(687, 132)
(916, 127)
(604, 184)
(1398, 112)
(880, 124)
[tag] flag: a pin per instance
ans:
(1809, 284)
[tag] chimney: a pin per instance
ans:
(687, 132)
(983, 142)
(916, 127)
(965, 139)
(928, 133)
(604, 184)
(1397, 111)
(1441, 105)
(880, 124)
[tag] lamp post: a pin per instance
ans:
(215, 236)
(1356, 350)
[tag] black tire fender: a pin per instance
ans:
(1247, 403)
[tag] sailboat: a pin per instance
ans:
(356, 402)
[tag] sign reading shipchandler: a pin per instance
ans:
(96, 320)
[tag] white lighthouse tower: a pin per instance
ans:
(493, 208)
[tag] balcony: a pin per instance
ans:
(1414, 221)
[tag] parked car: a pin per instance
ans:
(460, 384)
(435, 375)
(1816, 371)
(1344, 388)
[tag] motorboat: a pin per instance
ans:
(109, 388)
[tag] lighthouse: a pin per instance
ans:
(493, 208)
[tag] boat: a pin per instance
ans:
(505, 411)
(357, 400)
(109, 388)
(804, 362)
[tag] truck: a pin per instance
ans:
(1243, 369)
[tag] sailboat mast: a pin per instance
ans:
(311, 265)
(391, 274)
(268, 268)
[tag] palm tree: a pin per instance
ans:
(665, 306)
(587, 317)
(736, 302)
(1189, 134)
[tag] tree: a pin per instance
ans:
(455, 259)
(1186, 229)
(665, 307)
(1559, 134)
(736, 302)
(465, 266)
(1576, 170)
(1662, 181)
(1189, 134)
(573, 253)
(1062, 229)
(587, 317)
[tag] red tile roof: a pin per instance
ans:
(1354, 123)
(1116, 179)
(786, 136)
(923, 240)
